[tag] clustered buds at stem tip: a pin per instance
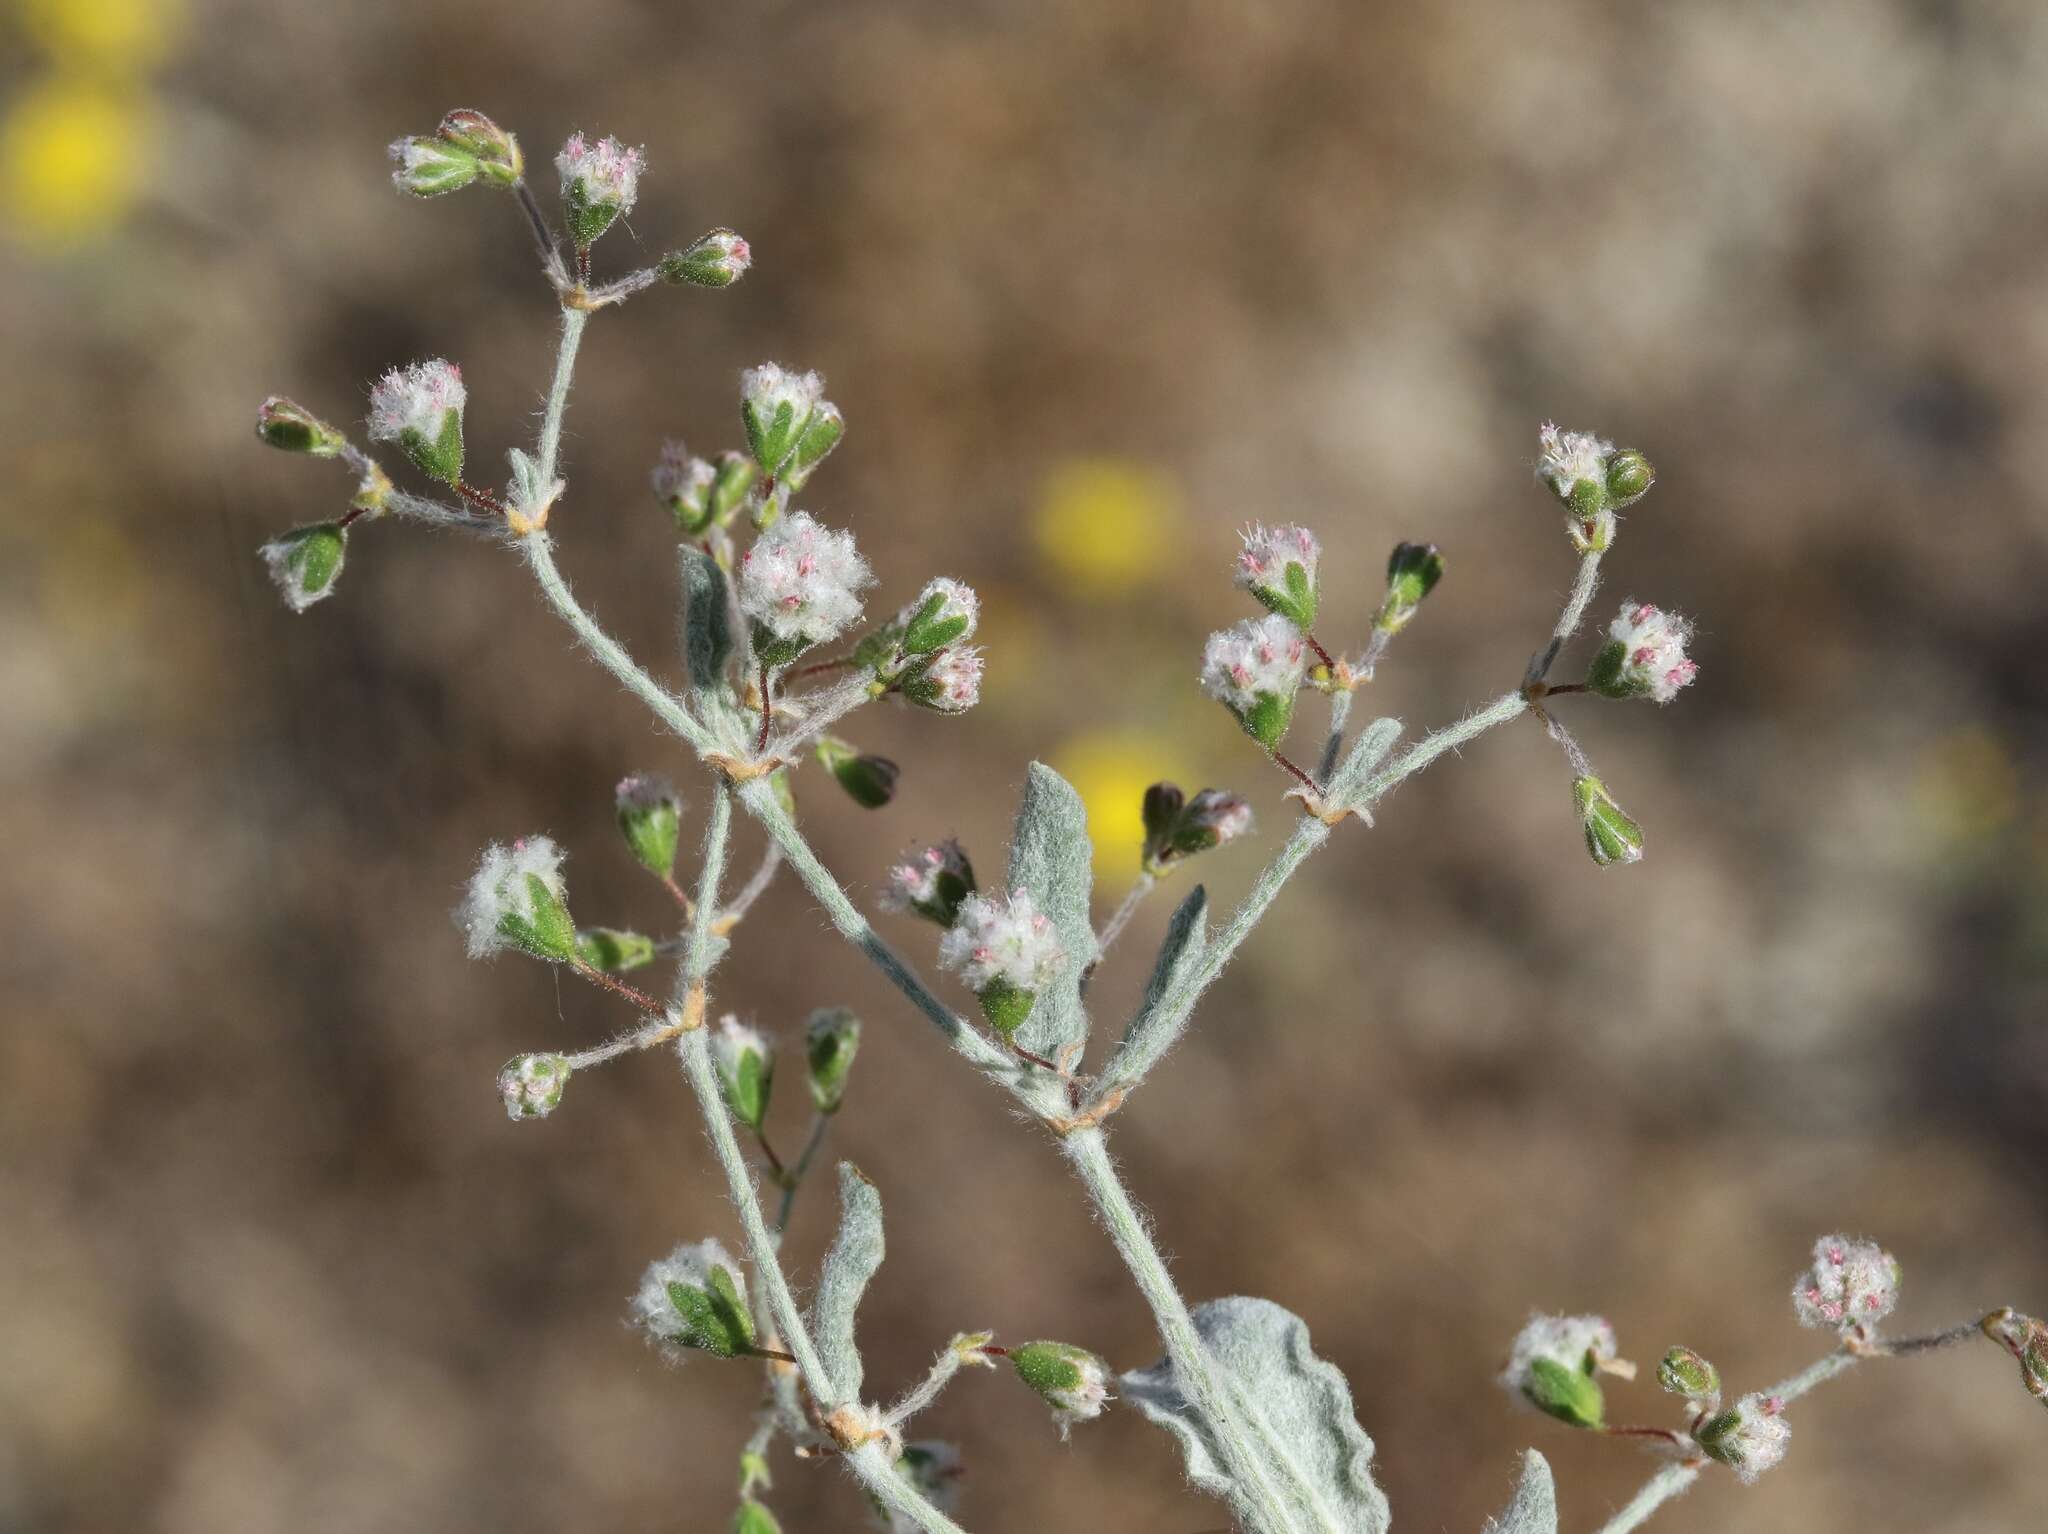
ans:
(466, 146)
(1749, 1437)
(1006, 951)
(1851, 1285)
(1592, 480)
(420, 408)
(1644, 656)
(1552, 1364)
(650, 815)
(714, 260)
(1413, 570)
(831, 1040)
(745, 1062)
(950, 684)
(932, 881)
(1072, 1381)
(600, 183)
(1278, 566)
(790, 424)
(1611, 837)
(1177, 827)
(798, 585)
(531, 1085)
(305, 562)
(699, 494)
(1254, 670)
(518, 899)
(696, 1297)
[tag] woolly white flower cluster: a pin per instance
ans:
(770, 386)
(951, 684)
(1576, 1343)
(416, 399)
(603, 174)
(1219, 812)
(1002, 940)
(679, 476)
(1750, 1437)
(654, 1310)
(1260, 655)
(499, 889)
(1851, 1283)
(799, 580)
(1268, 552)
(1567, 457)
(956, 600)
(1654, 643)
(913, 879)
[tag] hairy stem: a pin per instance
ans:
(1568, 621)
(1340, 711)
(819, 1124)
(1121, 917)
(1671, 1481)
(573, 321)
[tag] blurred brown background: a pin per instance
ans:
(1094, 283)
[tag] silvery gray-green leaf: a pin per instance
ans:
(1364, 758)
(1534, 1510)
(707, 621)
(856, 1253)
(1296, 1406)
(1051, 857)
(1153, 1030)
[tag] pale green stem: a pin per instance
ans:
(928, 1389)
(1340, 711)
(1568, 621)
(828, 707)
(1194, 1371)
(1671, 1481)
(870, 1462)
(573, 321)
(757, 886)
(820, 1122)
(1121, 917)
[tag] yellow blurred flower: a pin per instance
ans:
(1969, 786)
(1103, 524)
(107, 35)
(71, 158)
(1111, 771)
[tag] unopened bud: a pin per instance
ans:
(831, 1040)
(1007, 952)
(1749, 1437)
(430, 167)
(932, 881)
(1629, 477)
(531, 1085)
(1684, 1373)
(420, 408)
(820, 435)
(497, 152)
(517, 898)
(683, 484)
(714, 260)
(2027, 1340)
(1278, 567)
(1611, 837)
(1553, 1362)
(870, 781)
(600, 183)
(1413, 570)
(696, 1297)
(291, 426)
(1254, 670)
(650, 815)
(950, 683)
(746, 1069)
(305, 562)
(776, 407)
(614, 951)
(1177, 827)
(1576, 465)
(944, 613)
(1072, 1381)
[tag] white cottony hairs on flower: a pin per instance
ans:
(699, 1269)
(1851, 1284)
(1002, 940)
(951, 684)
(731, 1040)
(745, 1062)
(798, 581)
(1278, 566)
(416, 399)
(531, 1085)
(1580, 1344)
(605, 174)
(767, 388)
(1260, 655)
(1568, 457)
(678, 476)
(501, 888)
(945, 612)
(1644, 655)
(914, 879)
(1749, 1437)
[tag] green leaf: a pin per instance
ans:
(753, 1518)
(715, 1318)
(707, 621)
(1295, 1406)
(1150, 1034)
(1347, 784)
(614, 951)
(1534, 1510)
(855, 1255)
(1052, 858)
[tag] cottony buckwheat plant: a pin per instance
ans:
(780, 648)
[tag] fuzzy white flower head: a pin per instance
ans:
(1578, 1344)
(770, 386)
(1567, 457)
(678, 476)
(499, 889)
(1749, 1437)
(690, 1265)
(1266, 565)
(913, 879)
(416, 399)
(531, 1085)
(1851, 1284)
(949, 685)
(1002, 940)
(1260, 655)
(799, 580)
(603, 174)
(1651, 660)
